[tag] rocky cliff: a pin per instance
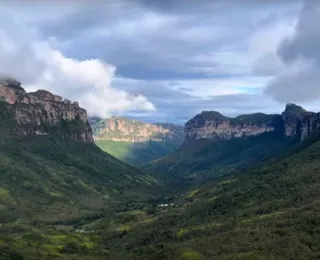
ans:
(120, 129)
(43, 113)
(299, 122)
(213, 125)
(294, 121)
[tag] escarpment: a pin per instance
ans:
(213, 125)
(43, 113)
(293, 122)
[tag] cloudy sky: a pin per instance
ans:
(166, 61)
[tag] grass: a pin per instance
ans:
(193, 193)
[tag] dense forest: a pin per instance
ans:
(268, 211)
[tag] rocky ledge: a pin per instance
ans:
(43, 113)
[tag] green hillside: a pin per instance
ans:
(268, 212)
(198, 160)
(137, 153)
(58, 181)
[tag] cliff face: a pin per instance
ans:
(42, 113)
(127, 130)
(310, 125)
(294, 121)
(213, 125)
(300, 122)
(293, 116)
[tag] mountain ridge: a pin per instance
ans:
(294, 121)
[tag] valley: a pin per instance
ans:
(136, 142)
(228, 188)
(160, 130)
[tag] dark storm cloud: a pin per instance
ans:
(301, 53)
(305, 42)
(166, 44)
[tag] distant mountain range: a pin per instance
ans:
(134, 141)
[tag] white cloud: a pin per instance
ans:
(39, 66)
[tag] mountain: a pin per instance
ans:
(50, 168)
(42, 113)
(223, 143)
(134, 141)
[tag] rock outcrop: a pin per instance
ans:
(121, 129)
(10, 90)
(43, 113)
(292, 117)
(294, 122)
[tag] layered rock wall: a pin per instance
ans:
(43, 113)
(213, 125)
(120, 129)
(294, 122)
(299, 122)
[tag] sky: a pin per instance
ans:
(166, 61)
